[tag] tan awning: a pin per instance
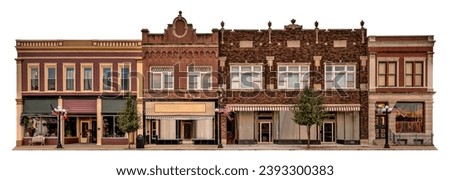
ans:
(180, 117)
(290, 107)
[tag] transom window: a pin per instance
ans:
(339, 76)
(199, 77)
(293, 76)
(246, 77)
(414, 74)
(161, 78)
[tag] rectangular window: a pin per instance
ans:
(87, 78)
(161, 78)
(410, 118)
(70, 78)
(51, 78)
(34, 78)
(387, 74)
(293, 76)
(340, 77)
(125, 77)
(107, 78)
(246, 77)
(199, 77)
(414, 74)
(111, 127)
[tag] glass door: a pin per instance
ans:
(328, 132)
(379, 127)
(265, 132)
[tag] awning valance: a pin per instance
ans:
(39, 106)
(290, 107)
(180, 117)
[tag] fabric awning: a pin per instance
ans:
(38, 106)
(180, 117)
(290, 107)
(80, 106)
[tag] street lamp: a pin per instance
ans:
(385, 110)
(58, 112)
(219, 133)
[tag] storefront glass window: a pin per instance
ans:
(410, 118)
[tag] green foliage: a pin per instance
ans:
(128, 120)
(309, 109)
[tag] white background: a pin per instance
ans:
(82, 19)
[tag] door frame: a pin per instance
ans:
(333, 132)
(379, 129)
(260, 124)
(88, 137)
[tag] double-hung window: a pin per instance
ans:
(414, 74)
(340, 76)
(125, 77)
(51, 77)
(246, 77)
(34, 78)
(199, 77)
(387, 74)
(106, 70)
(293, 76)
(70, 78)
(87, 77)
(161, 78)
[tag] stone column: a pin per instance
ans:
(99, 122)
(61, 122)
(19, 103)
(223, 128)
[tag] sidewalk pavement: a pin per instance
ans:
(231, 147)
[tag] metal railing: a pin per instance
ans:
(411, 138)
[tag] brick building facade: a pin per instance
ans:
(228, 86)
(264, 71)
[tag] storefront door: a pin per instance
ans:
(265, 132)
(86, 131)
(328, 132)
(379, 127)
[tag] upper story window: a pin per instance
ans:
(125, 77)
(34, 77)
(161, 78)
(387, 74)
(199, 77)
(51, 77)
(106, 79)
(246, 77)
(69, 77)
(293, 76)
(86, 77)
(414, 74)
(339, 76)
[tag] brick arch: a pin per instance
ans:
(169, 54)
(146, 55)
(190, 54)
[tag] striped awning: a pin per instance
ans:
(290, 107)
(179, 117)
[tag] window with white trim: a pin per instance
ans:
(246, 77)
(340, 76)
(199, 77)
(70, 78)
(34, 78)
(125, 77)
(86, 78)
(161, 78)
(293, 76)
(50, 77)
(106, 77)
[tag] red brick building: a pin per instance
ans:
(88, 78)
(180, 97)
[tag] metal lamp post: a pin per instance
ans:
(386, 110)
(59, 110)
(219, 133)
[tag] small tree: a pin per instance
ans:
(309, 110)
(128, 120)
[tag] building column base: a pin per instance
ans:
(19, 142)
